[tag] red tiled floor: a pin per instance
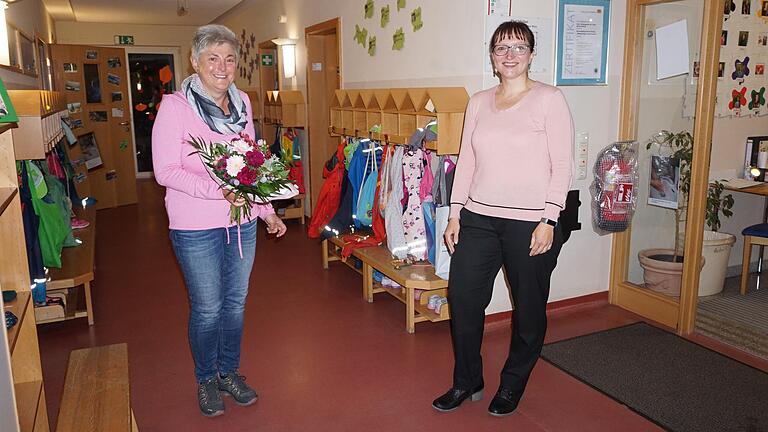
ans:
(321, 358)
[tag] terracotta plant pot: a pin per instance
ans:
(660, 273)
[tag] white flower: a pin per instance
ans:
(234, 164)
(240, 146)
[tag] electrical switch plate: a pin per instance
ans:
(582, 155)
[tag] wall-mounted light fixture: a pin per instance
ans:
(5, 54)
(288, 56)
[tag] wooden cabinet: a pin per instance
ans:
(398, 112)
(21, 370)
(40, 113)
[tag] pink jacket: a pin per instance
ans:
(516, 163)
(192, 198)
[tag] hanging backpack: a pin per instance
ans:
(330, 193)
(367, 194)
(413, 217)
(393, 211)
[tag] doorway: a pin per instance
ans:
(323, 78)
(152, 75)
(650, 104)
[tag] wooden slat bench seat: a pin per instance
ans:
(411, 278)
(97, 395)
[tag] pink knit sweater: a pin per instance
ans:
(192, 198)
(516, 163)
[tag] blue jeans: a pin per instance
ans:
(217, 283)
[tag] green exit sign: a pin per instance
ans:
(123, 40)
(267, 60)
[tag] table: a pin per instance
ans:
(761, 189)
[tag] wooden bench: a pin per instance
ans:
(411, 278)
(77, 265)
(97, 393)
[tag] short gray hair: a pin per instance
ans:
(214, 34)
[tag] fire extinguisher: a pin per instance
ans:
(614, 186)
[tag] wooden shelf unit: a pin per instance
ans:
(285, 108)
(40, 113)
(411, 278)
(295, 210)
(22, 352)
(399, 112)
(76, 269)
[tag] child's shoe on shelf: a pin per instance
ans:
(432, 301)
(439, 303)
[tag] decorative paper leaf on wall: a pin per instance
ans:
(416, 19)
(400, 4)
(372, 46)
(757, 99)
(384, 16)
(738, 98)
(361, 35)
(398, 39)
(165, 74)
(247, 61)
(741, 69)
(369, 9)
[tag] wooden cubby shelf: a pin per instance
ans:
(285, 108)
(40, 113)
(19, 308)
(6, 196)
(399, 112)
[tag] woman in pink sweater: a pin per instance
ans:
(512, 177)
(210, 107)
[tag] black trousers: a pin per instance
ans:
(485, 244)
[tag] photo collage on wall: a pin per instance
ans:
(742, 84)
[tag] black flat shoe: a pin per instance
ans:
(454, 397)
(503, 404)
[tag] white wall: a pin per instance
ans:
(449, 51)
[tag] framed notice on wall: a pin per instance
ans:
(582, 42)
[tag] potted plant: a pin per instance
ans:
(663, 268)
(717, 245)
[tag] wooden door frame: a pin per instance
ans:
(331, 26)
(681, 314)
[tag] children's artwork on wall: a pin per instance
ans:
(113, 79)
(743, 55)
(416, 20)
(730, 7)
(372, 46)
(90, 150)
(92, 55)
(763, 11)
(398, 39)
(92, 84)
(113, 62)
(361, 35)
(76, 124)
(384, 16)
(70, 67)
(117, 96)
(74, 107)
(7, 113)
(664, 181)
(248, 56)
(757, 99)
(740, 70)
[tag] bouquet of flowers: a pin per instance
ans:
(247, 169)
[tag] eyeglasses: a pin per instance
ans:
(518, 50)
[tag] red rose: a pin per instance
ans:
(255, 158)
(247, 177)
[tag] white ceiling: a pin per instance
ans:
(138, 11)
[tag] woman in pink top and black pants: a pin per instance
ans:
(512, 178)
